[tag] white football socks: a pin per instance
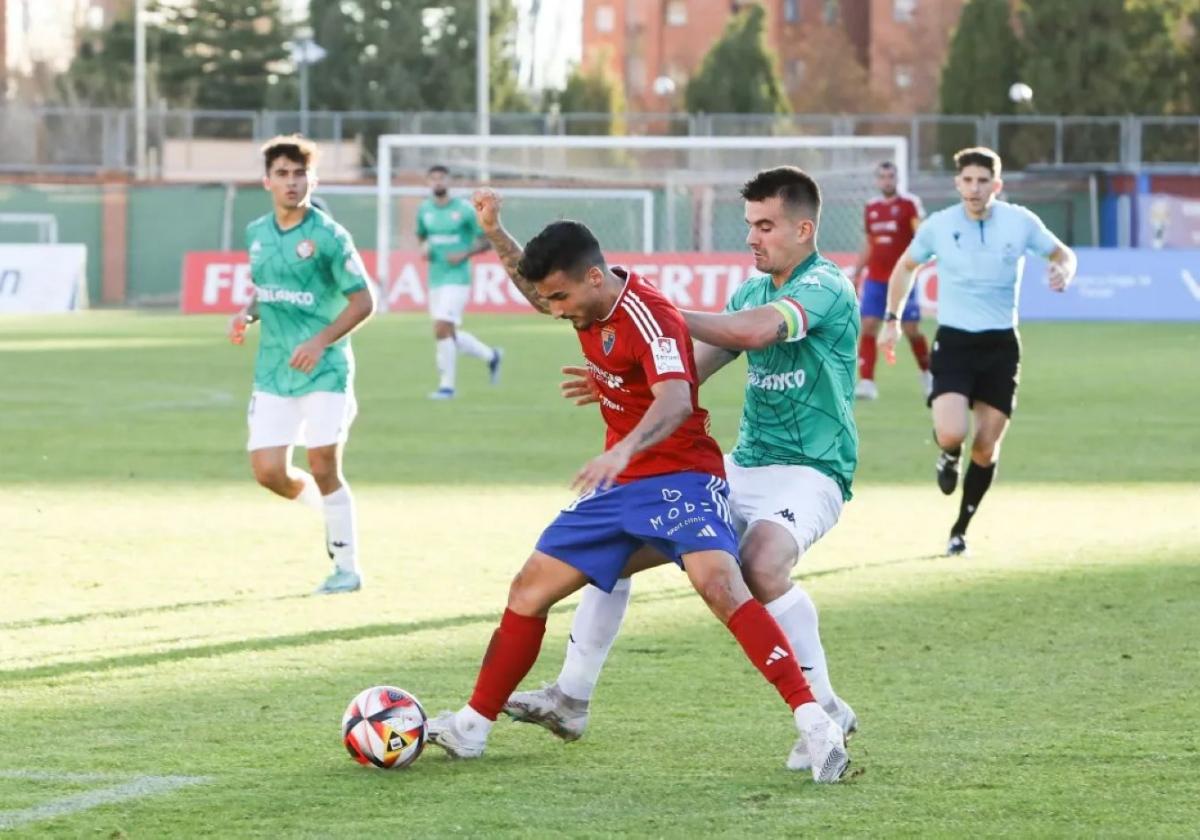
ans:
(310, 493)
(341, 529)
(593, 631)
(472, 346)
(797, 617)
(447, 359)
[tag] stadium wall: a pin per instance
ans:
(163, 222)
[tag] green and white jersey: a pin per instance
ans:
(799, 405)
(301, 278)
(447, 228)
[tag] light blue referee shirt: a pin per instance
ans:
(980, 262)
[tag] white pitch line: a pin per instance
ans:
(137, 788)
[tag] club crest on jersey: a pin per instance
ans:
(305, 249)
(608, 337)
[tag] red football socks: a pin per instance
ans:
(920, 349)
(513, 650)
(866, 357)
(766, 646)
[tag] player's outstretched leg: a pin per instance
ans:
(542, 582)
(562, 706)
(718, 580)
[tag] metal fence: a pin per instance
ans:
(91, 141)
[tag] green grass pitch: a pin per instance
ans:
(155, 619)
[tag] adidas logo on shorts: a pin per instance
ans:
(706, 531)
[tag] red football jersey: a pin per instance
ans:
(644, 340)
(890, 225)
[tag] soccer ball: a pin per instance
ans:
(1020, 92)
(384, 727)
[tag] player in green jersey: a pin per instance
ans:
(310, 292)
(449, 238)
(797, 449)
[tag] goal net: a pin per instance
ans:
(667, 194)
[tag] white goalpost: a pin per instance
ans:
(637, 193)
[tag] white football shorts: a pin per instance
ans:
(448, 302)
(321, 418)
(803, 500)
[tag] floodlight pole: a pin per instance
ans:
(139, 87)
(482, 80)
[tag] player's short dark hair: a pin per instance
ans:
(886, 165)
(978, 156)
(294, 147)
(561, 246)
(795, 187)
(436, 168)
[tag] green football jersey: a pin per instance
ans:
(448, 228)
(301, 278)
(799, 404)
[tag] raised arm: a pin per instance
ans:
(487, 212)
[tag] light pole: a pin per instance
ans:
(305, 51)
(482, 82)
(139, 88)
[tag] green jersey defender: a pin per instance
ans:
(798, 406)
(301, 279)
(310, 292)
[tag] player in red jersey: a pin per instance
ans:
(890, 221)
(660, 482)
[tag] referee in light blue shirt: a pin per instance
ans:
(980, 246)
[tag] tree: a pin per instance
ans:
(982, 62)
(101, 74)
(1117, 57)
(739, 75)
(596, 91)
(234, 51)
(833, 81)
(378, 60)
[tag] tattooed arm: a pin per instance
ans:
(672, 405)
(487, 211)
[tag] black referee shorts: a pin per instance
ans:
(983, 366)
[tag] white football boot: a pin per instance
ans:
(866, 390)
(443, 731)
(821, 746)
(926, 382)
(842, 715)
(548, 707)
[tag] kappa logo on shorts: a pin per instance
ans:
(306, 249)
(786, 514)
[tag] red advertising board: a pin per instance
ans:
(219, 281)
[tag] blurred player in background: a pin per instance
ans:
(660, 482)
(890, 221)
(449, 238)
(310, 292)
(797, 449)
(980, 245)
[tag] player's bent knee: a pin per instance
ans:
(722, 589)
(768, 581)
(950, 439)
